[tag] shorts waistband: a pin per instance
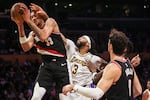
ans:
(52, 58)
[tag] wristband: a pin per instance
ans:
(22, 39)
(75, 88)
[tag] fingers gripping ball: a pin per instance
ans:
(16, 12)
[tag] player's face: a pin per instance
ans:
(37, 20)
(81, 42)
(148, 84)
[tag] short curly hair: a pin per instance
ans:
(120, 42)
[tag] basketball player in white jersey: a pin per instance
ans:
(146, 93)
(82, 63)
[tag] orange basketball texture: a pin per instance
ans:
(16, 12)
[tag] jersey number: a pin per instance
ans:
(49, 41)
(75, 68)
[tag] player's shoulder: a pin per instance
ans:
(70, 41)
(51, 19)
(146, 91)
(113, 67)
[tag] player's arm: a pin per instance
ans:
(42, 33)
(40, 12)
(96, 63)
(26, 42)
(70, 47)
(97, 76)
(135, 61)
(137, 89)
(101, 64)
(111, 74)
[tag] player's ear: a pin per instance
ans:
(110, 47)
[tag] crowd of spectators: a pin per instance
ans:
(17, 79)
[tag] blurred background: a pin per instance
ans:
(95, 18)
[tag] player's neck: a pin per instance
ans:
(116, 57)
(82, 51)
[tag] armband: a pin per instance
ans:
(23, 39)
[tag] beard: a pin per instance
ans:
(80, 44)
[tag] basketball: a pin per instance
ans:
(16, 12)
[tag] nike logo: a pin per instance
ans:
(63, 64)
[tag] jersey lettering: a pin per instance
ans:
(74, 59)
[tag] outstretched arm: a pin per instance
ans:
(40, 12)
(109, 77)
(135, 61)
(42, 29)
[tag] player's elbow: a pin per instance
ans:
(138, 92)
(43, 37)
(25, 50)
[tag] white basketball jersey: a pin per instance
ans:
(81, 74)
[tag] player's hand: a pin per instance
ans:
(135, 61)
(25, 14)
(16, 14)
(39, 11)
(18, 22)
(35, 7)
(67, 88)
(102, 66)
(97, 77)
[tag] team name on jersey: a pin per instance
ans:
(74, 59)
